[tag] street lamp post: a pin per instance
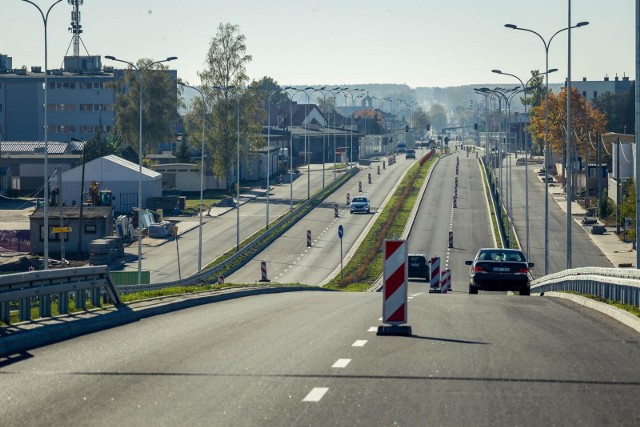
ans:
(204, 97)
(546, 132)
(526, 152)
(45, 188)
(139, 73)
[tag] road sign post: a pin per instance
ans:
(394, 291)
(340, 234)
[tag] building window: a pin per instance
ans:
(90, 229)
(584, 94)
(61, 107)
(595, 93)
(61, 129)
(62, 85)
(0, 107)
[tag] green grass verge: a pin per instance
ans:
(366, 264)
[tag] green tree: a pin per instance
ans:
(536, 90)
(159, 106)
(628, 206)
(99, 146)
(228, 105)
(421, 120)
(266, 86)
(439, 118)
(618, 109)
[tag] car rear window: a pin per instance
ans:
(416, 259)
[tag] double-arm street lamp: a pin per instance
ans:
(45, 188)
(139, 75)
(344, 91)
(525, 87)
(205, 98)
(306, 127)
(547, 158)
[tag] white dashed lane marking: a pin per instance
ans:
(316, 394)
(341, 363)
(372, 329)
(359, 343)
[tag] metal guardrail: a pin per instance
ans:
(498, 212)
(231, 264)
(61, 285)
(617, 284)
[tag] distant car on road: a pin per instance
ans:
(411, 154)
(497, 269)
(418, 266)
(360, 204)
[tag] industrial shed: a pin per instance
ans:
(112, 173)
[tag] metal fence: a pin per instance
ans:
(44, 288)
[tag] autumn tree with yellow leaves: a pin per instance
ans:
(585, 119)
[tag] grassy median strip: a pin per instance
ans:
(366, 265)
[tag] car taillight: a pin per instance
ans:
(478, 269)
(523, 270)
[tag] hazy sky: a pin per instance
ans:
(417, 42)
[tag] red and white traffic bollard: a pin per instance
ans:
(308, 237)
(221, 280)
(445, 286)
(360, 186)
(348, 199)
(378, 169)
(434, 284)
(336, 213)
(384, 165)
(450, 239)
(263, 272)
(395, 288)
(455, 202)
(369, 177)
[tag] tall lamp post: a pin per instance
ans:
(204, 104)
(526, 153)
(139, 74)
(45, 188)
(546, 132)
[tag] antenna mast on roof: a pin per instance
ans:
(76, 28)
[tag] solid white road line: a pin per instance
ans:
(359, 343)
(341, 363)
(316, 394)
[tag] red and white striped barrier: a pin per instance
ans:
(360, 186)
(369, 177)
(435, 274)
(308, 237)
(336, 213)
(394, 308)
(348, 199)
(445, 283)
(378, 169)
(450, 239)
(263, 272)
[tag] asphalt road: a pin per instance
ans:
(220, 233)
(313, 358)
(469, 221)
(290, 260)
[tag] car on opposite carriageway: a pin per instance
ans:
(360, 204)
